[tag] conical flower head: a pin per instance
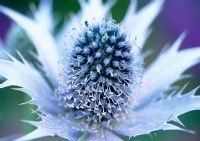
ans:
(100, 73)
(88, 92)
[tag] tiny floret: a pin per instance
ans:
(100, 74)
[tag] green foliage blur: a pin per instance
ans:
(11, 113)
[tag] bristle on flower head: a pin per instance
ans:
(100, 74)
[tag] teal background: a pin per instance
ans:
(166, 30)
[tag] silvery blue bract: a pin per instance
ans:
(100, 89)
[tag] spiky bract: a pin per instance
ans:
(17, 42)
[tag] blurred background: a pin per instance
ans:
(177, 16)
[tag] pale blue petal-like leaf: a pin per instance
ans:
(43, 41)
(105, 135)
(52, 126)
(44, 14)
(88, 8)
(31, 82)
(165, 70)
(86, 13)
(137, 23)
(2, 55)
(156, 115)
(2, 52)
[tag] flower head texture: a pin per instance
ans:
(95, 88)
(100, 74)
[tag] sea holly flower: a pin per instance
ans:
(100, 88)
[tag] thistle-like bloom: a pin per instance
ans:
(99, 87)
(100, 74)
